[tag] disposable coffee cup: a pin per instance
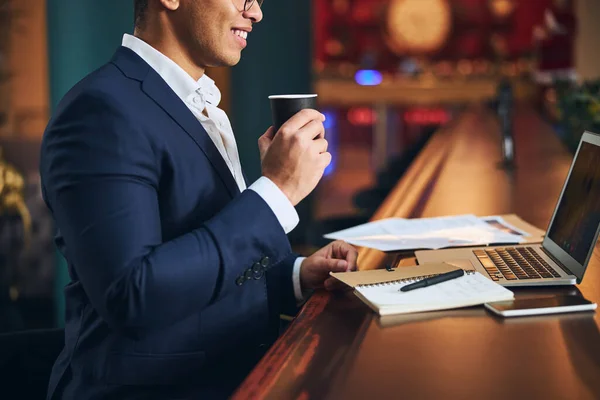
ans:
(285, 106)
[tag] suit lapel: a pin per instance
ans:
(157, 89)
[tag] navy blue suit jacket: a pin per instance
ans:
(177, 278)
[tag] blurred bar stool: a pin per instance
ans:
(15, 234)
(369, 200)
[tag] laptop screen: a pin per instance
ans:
(575, 225)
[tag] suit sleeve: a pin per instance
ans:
(100, 178)
(281, 290)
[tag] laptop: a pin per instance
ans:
(561, 259)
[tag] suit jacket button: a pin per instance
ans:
(257, 267)
(258, 275)
(248, 274)
(258, 271)
(265, 261)
(240, 280)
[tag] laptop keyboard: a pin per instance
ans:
(515, 263)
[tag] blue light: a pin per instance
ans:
(330, 168)
(331, 134)
(330, 121)
(368, 77)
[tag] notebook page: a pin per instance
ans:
(464, 290)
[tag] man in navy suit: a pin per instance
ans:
(178, 270)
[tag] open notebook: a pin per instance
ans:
(383, 295)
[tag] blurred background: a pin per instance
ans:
(389, 73)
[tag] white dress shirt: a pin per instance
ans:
(202, 98)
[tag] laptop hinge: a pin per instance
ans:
(558, 263)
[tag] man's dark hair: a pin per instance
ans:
(140, 7)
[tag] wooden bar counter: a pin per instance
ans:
(337, 348)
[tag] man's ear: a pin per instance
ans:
(170, 5)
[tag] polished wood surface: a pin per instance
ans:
(425, 91)
(338, 349)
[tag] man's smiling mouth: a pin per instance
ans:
(240, 33)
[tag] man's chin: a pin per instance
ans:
(227, 61)
(233, 60)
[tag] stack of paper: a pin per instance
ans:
(430, 233)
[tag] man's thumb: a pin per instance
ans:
(265, 140)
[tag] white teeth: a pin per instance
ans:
(241, 34)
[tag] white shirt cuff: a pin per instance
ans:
(296, 279)
(278, 202)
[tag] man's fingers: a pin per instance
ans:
(325, 159)
(270, 133)
(313, 130)
(266, 138)
(264, 142)
(301, 120)
(348, 252)
(334, 265)
(320, 145)
(351, 257)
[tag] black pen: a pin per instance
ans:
(433, 280)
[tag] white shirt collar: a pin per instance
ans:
(178, 80)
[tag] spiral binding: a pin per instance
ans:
(407, 280)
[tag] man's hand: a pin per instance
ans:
(337, 256)
(296, 157)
